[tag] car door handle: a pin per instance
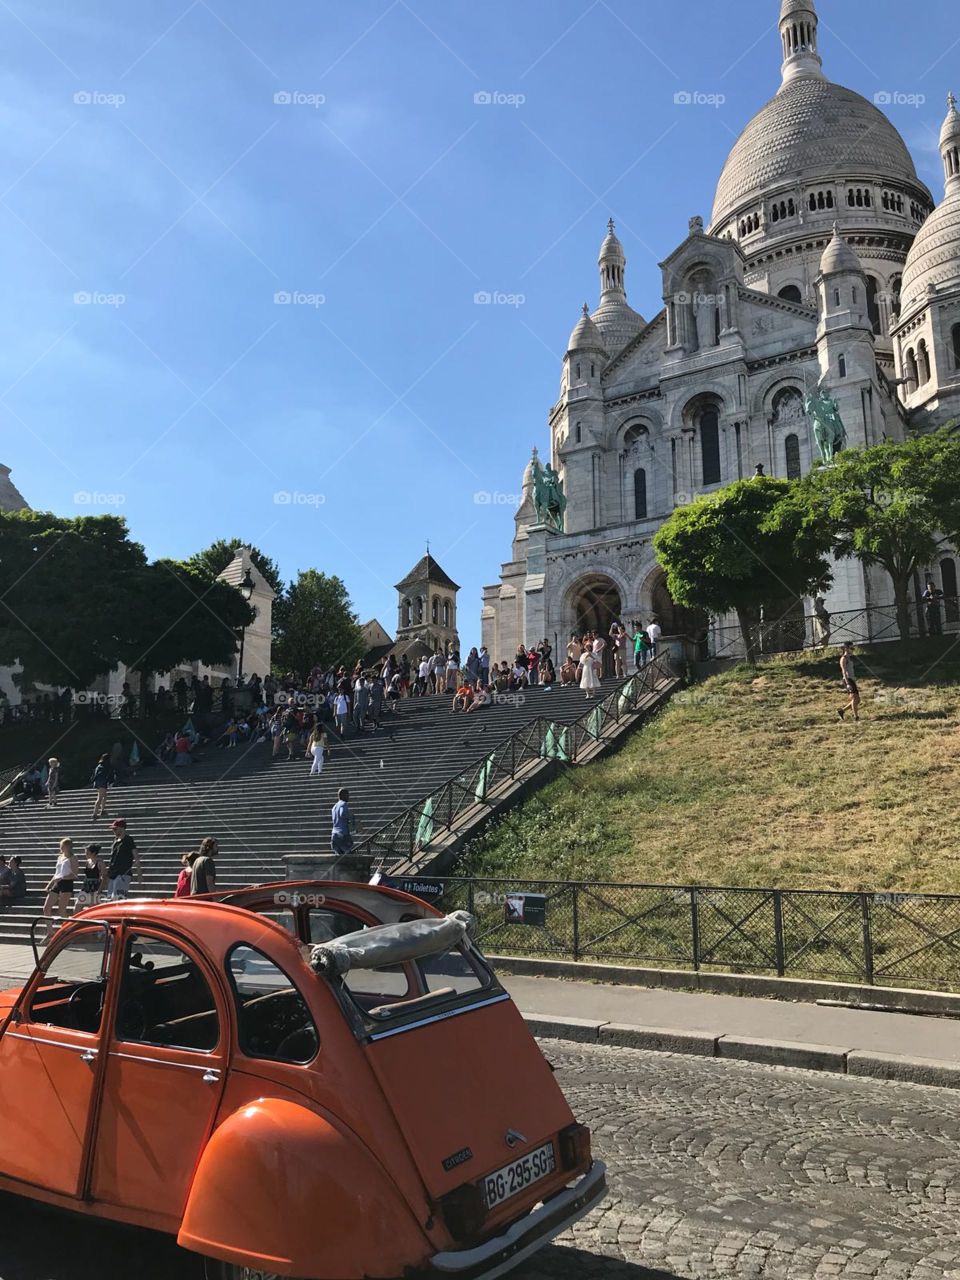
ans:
(210, 1077)
(88, 1055)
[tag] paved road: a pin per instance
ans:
(717, 1169)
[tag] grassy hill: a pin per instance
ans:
(750, 779)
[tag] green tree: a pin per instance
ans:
(214, 559)
(892, 505)
(742, 548)
(182, 615)
(67, 595)
(314, 624)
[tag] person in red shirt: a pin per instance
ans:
(462, 698)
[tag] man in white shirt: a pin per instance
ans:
(423, 672)
(654, 633)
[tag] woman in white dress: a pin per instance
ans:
(588, 673)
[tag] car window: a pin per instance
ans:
(273, 1019)
(325, 925)
(165, 998)
(71, 991)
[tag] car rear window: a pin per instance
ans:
(394, 991)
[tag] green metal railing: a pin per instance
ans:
(410, 834)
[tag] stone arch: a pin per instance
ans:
(594, 585)
(674, 619)
(764, 392)
(685, 412)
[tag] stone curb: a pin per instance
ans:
(774, 1053)
(807, 991)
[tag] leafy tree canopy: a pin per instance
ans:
(183, 615)
(741, 549)
(67, 592)
(894, 505)
(314, 625)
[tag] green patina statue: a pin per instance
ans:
(548, 496)
(828, 429)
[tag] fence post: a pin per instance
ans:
(867, 940)
(449, 806)
(778, 931)
(695, 928)
(576, 923)
(470, 898)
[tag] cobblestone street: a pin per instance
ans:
(716, 1169)
(729, 1169)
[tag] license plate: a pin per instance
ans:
(518, 1175)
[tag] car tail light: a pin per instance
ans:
(464, 1211)
(574, 1142)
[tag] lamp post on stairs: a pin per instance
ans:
(246, 589)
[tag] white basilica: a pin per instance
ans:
(825, 257)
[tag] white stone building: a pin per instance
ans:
(820, 225)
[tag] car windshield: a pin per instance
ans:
(394, 971)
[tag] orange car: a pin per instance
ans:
(319, 1081)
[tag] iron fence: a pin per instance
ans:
(874, 939)
(873, 624)
(407, 838)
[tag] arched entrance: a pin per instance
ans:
(674, 619)
(595, 606)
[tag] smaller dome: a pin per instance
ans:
(839, 256)
(951, 125)
(586, 335)
(611, 249)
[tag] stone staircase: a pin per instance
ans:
(261, 810)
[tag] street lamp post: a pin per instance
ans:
(246, 590)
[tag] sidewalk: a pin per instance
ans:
(890, 1046)
(887, 1046)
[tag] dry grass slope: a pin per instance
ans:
(750, 779)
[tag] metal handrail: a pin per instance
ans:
(541, 738)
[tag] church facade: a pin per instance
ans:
(825, 262)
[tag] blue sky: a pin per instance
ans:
(157, 196)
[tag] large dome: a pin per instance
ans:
(811, 129)
(934, 256)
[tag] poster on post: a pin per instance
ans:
(525, 908)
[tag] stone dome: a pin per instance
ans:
(585, 334)
(934, 257)
(811, 129)
(839, 255)
(618, 323)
